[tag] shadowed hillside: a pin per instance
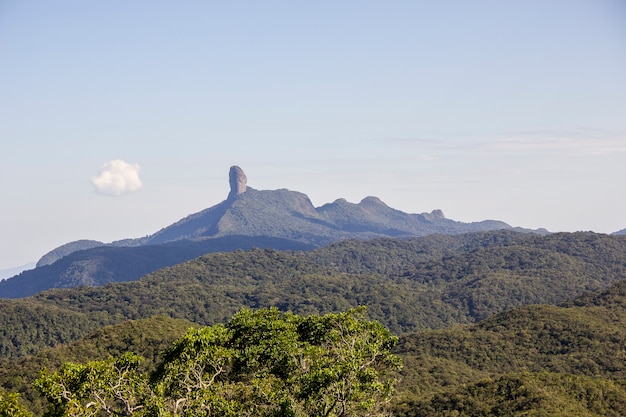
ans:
(105, 264)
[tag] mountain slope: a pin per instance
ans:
(526, 394)
(280, 219)
(530, 361)
(67, 249)
(522, 360)
(104, 264)
(291, 215)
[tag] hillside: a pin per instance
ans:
(279, 219)
(526, 395)
(570, 359)
(147, 337)
(530, 361)
(430, 282)
(104, 264)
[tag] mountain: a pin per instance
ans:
(291, 215)
(67, 249)
(621, 232)
(408, 284)
(280, 219)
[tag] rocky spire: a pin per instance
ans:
(237, 180)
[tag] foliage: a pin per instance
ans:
(431, 282)
(534, 360)
(111, 387)
(576, 339)
(261, 363)
(408, 285)
(10, 405)
(528, 395)
(147, 337)
(527, 361)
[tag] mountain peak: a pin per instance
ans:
(238, 181)
(372, 201)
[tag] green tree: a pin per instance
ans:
(112, 387)
(10, 406)
(268, 363)
(193, 377)
(262, 363)
(349, 358)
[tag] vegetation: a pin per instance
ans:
(431, 282)
(472, 340)
(10, 405)
(104, 264)
(261, 363)
(146, 337)
(518, 362)
(530, 361)
(555, 360)
(527, 395)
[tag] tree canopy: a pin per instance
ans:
(408, 285)
(261, 363)
(10, 405)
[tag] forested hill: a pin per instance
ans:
(421, 283)
(104, 264)
(558, 360)
(146, 337)
(533, 360)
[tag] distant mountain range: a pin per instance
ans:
(279, 219)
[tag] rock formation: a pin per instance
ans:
(237, 180)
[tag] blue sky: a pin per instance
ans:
(508, 110)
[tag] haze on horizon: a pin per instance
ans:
(120, 118)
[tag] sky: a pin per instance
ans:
(118, 118)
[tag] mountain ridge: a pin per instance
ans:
(255, 217)
(328, 223)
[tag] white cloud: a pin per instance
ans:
(116, 178)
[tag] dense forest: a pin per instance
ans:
(574, 354)
(261, 363)
(424, 283)
(103, 264)
(497, 323)
(533, 360)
